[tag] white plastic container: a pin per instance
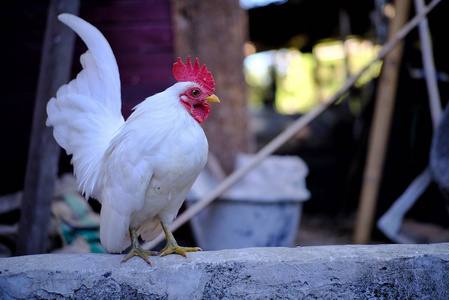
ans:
(261, 210)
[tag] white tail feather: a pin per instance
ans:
(114, 229)
(86, 113)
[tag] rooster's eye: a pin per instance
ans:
(195, 93)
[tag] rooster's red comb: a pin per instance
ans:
(195, 73)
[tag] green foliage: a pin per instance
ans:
(304, 80)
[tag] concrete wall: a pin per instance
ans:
(327, 272)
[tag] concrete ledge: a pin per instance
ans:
(327, 272)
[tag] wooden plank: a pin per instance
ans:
(139, 39)
(43, 154)
(134, 77)
(118, 11)
(162, 61)
(380, 130)
(129, 40)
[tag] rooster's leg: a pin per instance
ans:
(136, 249)
(172, 246)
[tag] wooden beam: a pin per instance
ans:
(380, 129)
(429, 67)
(43, 153)
(215, 31)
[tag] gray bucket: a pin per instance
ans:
(263, 209)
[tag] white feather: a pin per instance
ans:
(86, 113)
(140, 170)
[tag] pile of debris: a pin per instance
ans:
(74, 225)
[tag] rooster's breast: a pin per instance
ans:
(177, 164)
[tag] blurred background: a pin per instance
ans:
(273, 61)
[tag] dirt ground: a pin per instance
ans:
(319, 229)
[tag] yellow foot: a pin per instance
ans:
(172, 246)
(140, 252)
(175, 249)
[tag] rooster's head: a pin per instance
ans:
(195, 96)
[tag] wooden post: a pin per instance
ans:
(43, 154)
(383, 112)
(215, 32)
(429, 67)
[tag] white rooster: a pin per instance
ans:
(140, 169)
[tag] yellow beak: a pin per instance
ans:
(212, 98)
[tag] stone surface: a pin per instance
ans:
(325, 272)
